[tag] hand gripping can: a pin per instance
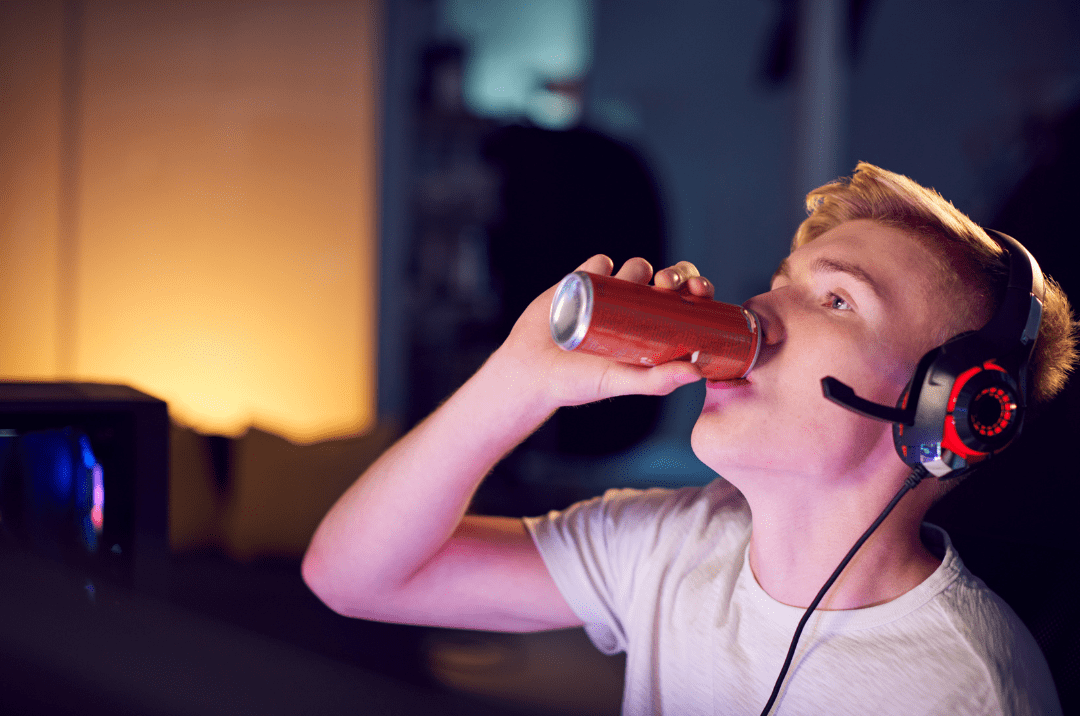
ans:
(644, 325)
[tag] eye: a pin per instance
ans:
(837, 303)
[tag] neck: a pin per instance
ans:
(799, 539)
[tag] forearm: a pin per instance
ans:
(402, 511)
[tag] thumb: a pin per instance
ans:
(622, 379)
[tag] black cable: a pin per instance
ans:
(910, 482)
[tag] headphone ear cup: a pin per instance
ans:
(987, 412)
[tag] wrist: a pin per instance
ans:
(518, 385)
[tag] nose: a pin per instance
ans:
(770, 324)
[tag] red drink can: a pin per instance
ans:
(644, 325)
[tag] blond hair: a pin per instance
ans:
(969, 266)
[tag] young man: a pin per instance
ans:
(703, 587)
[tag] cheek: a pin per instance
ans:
(879, 370)
(892, 377)
(898, 350)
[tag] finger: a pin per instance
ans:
(700, 286)
(637, 270)
(598, 264)
(669, 376)
(676, 277)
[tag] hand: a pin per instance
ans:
(543, 371)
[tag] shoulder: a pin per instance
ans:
(650, 515)
(643, 536)
(992, 639)
(613, 556)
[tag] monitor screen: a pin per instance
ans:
(84, 477)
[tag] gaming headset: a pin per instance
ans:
(967, 397)
(965, 402)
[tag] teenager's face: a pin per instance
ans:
(857, 303)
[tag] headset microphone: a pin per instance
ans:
(967, 397)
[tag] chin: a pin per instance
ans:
(711, 447)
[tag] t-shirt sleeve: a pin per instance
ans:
(599, 551)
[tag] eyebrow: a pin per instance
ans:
(824, 264)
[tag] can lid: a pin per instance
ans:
(571, 310)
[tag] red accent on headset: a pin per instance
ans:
(1005, 412)
(950, 440)
(900, 426)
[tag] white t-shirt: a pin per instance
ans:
(663, 575)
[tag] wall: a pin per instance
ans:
(189, 207)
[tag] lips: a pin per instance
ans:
(726, 384)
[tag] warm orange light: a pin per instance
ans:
(226, 215)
